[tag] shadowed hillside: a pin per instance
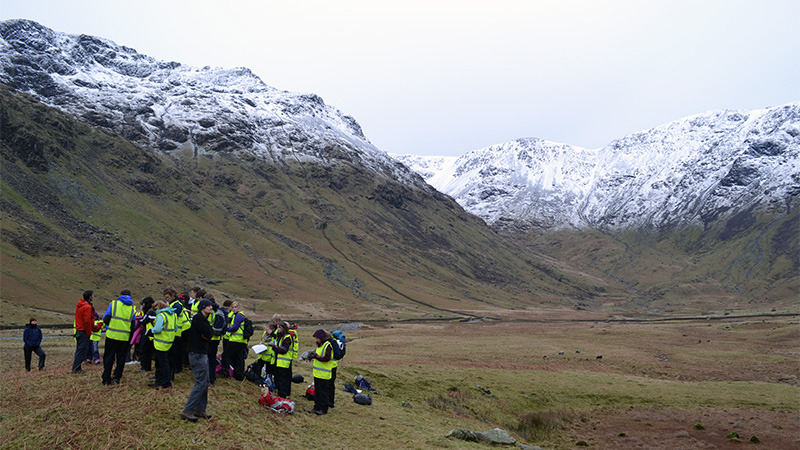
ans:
(84, 208)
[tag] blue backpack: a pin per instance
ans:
(338, 344)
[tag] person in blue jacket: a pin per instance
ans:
(33, 341)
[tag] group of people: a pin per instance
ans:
(186, 330)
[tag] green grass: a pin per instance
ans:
(427, 385)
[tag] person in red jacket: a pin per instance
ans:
(84, 327)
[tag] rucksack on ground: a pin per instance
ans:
(310, 392)
(362, 399)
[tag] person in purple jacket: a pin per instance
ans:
(32, 336)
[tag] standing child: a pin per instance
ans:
(32, 336)
(323, 366)
(95, 339)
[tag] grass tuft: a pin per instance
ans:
(536, 426)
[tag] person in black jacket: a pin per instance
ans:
(32, 336)
(198, 336)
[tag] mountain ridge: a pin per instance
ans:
(683, 173)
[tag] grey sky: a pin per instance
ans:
(446, 77)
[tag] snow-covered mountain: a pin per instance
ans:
(692, 171)
(177, 108)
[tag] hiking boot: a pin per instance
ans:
(320, 413)
(154, 385)
(202, 415)
(188, 416)
(159, 388)
(115, 381)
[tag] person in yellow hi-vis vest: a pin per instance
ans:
(175, 302)
(163, 336)
(119, 319)
(283, 360)
(213, 344)
(323, 366)
(236, 350)
(266, 359)
(95, 339)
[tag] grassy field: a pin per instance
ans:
(658, 385)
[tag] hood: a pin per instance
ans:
(126, 299)
(168, 310)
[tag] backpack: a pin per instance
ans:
(338, 344)
(247, 328)
(277, 404)
(310, 392)
(362, 399)
(220, 322)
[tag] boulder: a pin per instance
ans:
(464, 435)
(496, 436)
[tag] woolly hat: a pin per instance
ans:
(320, 334)
(203, 304)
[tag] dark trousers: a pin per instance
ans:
(146, 356)
(261, 365)
(283, 381)
(198, 398)
(115, 351)
(225, 358)
(234, 355)
(322, 394)
(333, 387)
(163, 369)
(28, 353)
(213, 346)
(82, 346)
(176, 355)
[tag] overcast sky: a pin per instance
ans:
(433, 77)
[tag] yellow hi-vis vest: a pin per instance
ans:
(185, 321)
(295, 350)
(96, 334)
(119, 327)
(211, 319)
(163, 341)
(323, 370)
(284, 360)
(227, 335)
(267, 355)
(238, 335)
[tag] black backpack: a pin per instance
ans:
(220, 322)
(247, 328)
(337, 347)
(362, 399)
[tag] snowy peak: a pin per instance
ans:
(688, 172)
(176, 108)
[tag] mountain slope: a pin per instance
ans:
(702, 210)
(174, 177)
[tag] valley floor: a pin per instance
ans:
(554, 384)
